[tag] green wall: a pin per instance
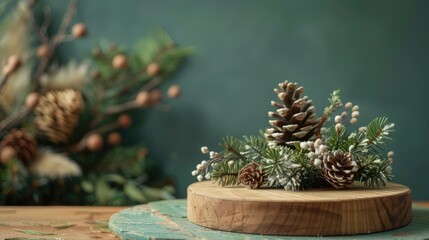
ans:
(376, 52)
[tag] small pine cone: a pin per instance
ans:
(295, 118)
(339, 169)
(23, 143)
(251, 175)
(57, 114)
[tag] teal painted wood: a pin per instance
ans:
(167, 220)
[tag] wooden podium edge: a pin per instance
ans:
(301, 218)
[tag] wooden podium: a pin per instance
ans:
(316, 212)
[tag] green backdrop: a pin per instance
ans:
(376, 52)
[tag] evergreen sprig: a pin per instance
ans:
(342, 155)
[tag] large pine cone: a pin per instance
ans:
(57, 114)
(251, 175)
(295, 118)
(339, 169)
(23, 143)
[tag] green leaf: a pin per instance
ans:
(134, 193)
(34, 232)
(87, 186)
(103, 192)
(115, 178)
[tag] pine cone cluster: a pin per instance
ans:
(23, 143)
(339, 169)
(57, 114)
(251, 175)
(295, 119)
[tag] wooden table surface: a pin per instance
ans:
(56, 222)
(62, 222)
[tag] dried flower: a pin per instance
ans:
(207, 176)
(318, 142)
(323, 148)
(338, 127)
(194, 173)
(353, 121)
(355, 108)
(303, 145)
(390, 154)
(355, 114)
(54, 165)
(344, 114)
(348, 105)
(73, 75)
(338, 119)
(213, 154)
(317, 162)
(204, 150)
(200, 178)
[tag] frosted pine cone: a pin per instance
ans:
(251, 175)
(339, 169)
(23, 143)
(295, 118)
(58, 113)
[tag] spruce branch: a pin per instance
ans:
(226, 174)
(373, 171)
(254, 148)
(378, 130)
(233, 147)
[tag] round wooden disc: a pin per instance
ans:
(315, 212)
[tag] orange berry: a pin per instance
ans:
(155, 96)
(7, 153)
(79, 30)
(120, 61)
(174, 91)
(94, 142)
(153, 69)
(114, 138)
(44, 51)
(143, 99)
(31, 100)
(125, 121)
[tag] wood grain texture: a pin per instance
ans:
(313, 212)
(65, 223)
